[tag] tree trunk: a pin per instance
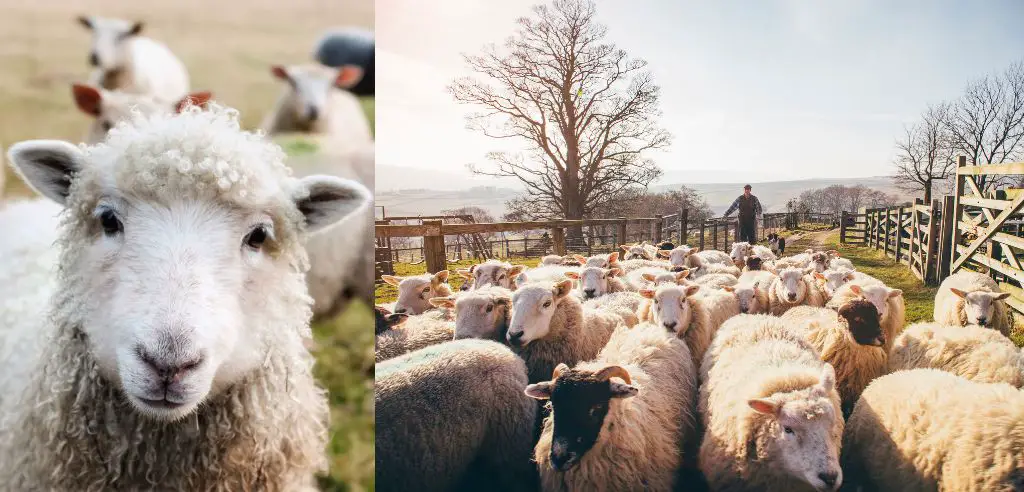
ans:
(928, 191)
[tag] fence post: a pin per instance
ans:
(714, 236)
(899, 232)
(656, 227)
(930, 263)
(961, 161)
(622, 233)
(842, 227)
(683, 221)
(888, 228)
(433, 248)
(558, 240)
(702, 224)
(946, 238)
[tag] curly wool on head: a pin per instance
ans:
(73, 428)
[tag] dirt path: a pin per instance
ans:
(801, 241)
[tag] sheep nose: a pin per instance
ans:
(399, 310)
(671, 325)
(313, 113)
(829, 478)
(515, 338)
(93, 59)
(169, 371)
(791, 297)
(589, 292)
(982, 320)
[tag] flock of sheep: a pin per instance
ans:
(678, 369)
(156, 297)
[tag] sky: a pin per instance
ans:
(751, 90)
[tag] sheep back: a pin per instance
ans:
(417, 332)
(972, 352)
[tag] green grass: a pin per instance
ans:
(385, 292)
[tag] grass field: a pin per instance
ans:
(228, 48)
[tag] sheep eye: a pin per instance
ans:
(501, 277)
(789, 430)
(256, 238)
(547, 304)
(106, 126)
(111, 225)
(490, 307)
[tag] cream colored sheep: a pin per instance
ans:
(792, 288)
(971, 298)
(414, 292)
(691, 316)
(416, 332)
(972, 352)
(624, 304)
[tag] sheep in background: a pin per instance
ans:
(313, 102)
(971, 298)
(791, 289)
(850, 339)
(640, 251)
(416, 332)
(551, 260)
(741, 250)
(829, 281)
(926, 429)
(717, 280)
(108, 108)
(479, 313)
(685, 256)
(691, 316)
(431, 442)
(654, 278)
(353, 48)
(123, 60)
(197, 369)
(597, 281)
(414, 292)
(610, 260)
(751, 298)
(972, 352)
(624, 304)
(770, 410)
(626, 433)
(629, 265)
(552, 273)
(492, 272)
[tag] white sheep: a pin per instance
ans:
(414, 292)
(624, 433)
(108, 108)
(179, 317)
(549, 326)
(629, 265)
(972, 352)
(799, 260)
(926, 429)
(742, 249)
(624, 304)
(685, 256)
(751, 298)
(692, 317)
(892, 312)
(639, 251)
(831, 280)
(971, 298)
(551, 260)
(454, 414)
(492, 272)
(416, 332)
(610, 260)
(479, 313)
(770, 410)
(792, 288)
(654, 277)
(553, 273)
(313, 102)
(597, 281)
(850, 340)
(123, 60)
(717, 280)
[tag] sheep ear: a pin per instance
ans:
(281, 73)
(464, 273)
(440, 277)
(1000, 296)
(683, 274)
(615, 272)
(443, 302)
(693, 250)
(391, 279)
(764, 405)
(572, 275)
(828, 378)
(563, 288)
(833, 253)
(48, 166)
(648, 277)
(622, 390)
(691, 290)
(136, 29)
(819, 276)
(88, 99)
(625, 247)
(613, 257)
(580, 258)
(194, 99)
(648, 293)
(396, 319)
(324, 200)
(85, 21)
(539, 391)
(856, 289)
(348, 76)
(895, 293)
(515, 270)
(959, 293)
(849, 276)
(664, 254)
(728, 288)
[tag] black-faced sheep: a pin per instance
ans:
(926, 429)
(770, 410)
(972, 352)
(454, 417)
(971, 298)
(625, 433)
(888, 302)
(850, 339)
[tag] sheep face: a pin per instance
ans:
(594, 280)
(483, 314)
(310, 88)
(603, 261)
(753, 263)
(879, 295)
(979, 305)
(167, 282)
(495, 273)
(667, 277)
(747, 298)
(579, 401)
(740, 251)
(109, 49)
(797, 430)
(863, 321)
(414, 293)
(109, 108)
(384, 320)
(551, 260)
(790, 286)
(636, 252)
(671, 307)
(820, 261)
(533, 306)
(832, 280)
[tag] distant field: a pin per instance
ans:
(227, 47)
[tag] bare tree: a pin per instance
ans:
(987, 123)
(586, 111)
(925, 154)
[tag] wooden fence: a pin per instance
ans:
(969, 229)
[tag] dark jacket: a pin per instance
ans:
(748, 207)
